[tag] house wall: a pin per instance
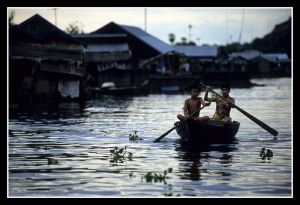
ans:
(41, 86)
(183, 83)
(261, 67)
(264, 66)
(28, 83)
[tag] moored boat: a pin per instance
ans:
(114, 90)
(197, 133)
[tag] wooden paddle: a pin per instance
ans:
(170, 130)
(251, 117)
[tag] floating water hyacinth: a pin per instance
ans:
(134, 136)
(119, 155)
(157, 177)
(265, 153)
(52, 161)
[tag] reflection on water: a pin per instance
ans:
(80, 138)
(193, 158)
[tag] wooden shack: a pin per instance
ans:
(203, 58)
(142, 44)
(45, 63)
(105, 53)
(271, 65)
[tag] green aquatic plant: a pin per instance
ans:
(134, 136)
(265, 153)
(52, 161)
(120, 154)
(157, 177)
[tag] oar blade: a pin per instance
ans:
(251, 117)
(163, 135)
(274, 132)
(257, 121)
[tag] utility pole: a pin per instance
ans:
(55, 16)
(198, 39)
(190, 34)
(240, 38)
(226, 22)
(230, 36)
(146, 19)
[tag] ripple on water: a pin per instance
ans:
(81, 140)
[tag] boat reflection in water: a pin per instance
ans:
(205, 161)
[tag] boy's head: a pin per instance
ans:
(195, 91)
(225, 88)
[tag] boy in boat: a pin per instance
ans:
(192, 104)
(222, 107)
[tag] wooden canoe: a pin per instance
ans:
(212, 132)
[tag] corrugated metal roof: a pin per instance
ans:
(152, 41)
(108, 35)
(107, 47)
(248, 55)
(236, 58)
(276, 56)
(197, 51)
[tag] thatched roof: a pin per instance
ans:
(39, 30)
(36, 38)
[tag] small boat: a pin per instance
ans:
(170, 89)
(115, 91)
(109, 88)
(198, 133)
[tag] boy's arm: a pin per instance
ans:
(204, 103)
(232, 101)
(206, 98)
(185, 108)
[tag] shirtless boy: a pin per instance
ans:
(192, 104)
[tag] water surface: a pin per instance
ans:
(81, 138)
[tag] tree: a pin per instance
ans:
(172, 38)
(11, 18)
(75, 28)
(191, 43)
(233, 47)
(278, 40)
(183, 40)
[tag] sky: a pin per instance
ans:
(209, 25)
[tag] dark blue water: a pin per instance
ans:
(80, 139)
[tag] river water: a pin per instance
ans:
(80, 139)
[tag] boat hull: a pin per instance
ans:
(212, 132)
(114, 91)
